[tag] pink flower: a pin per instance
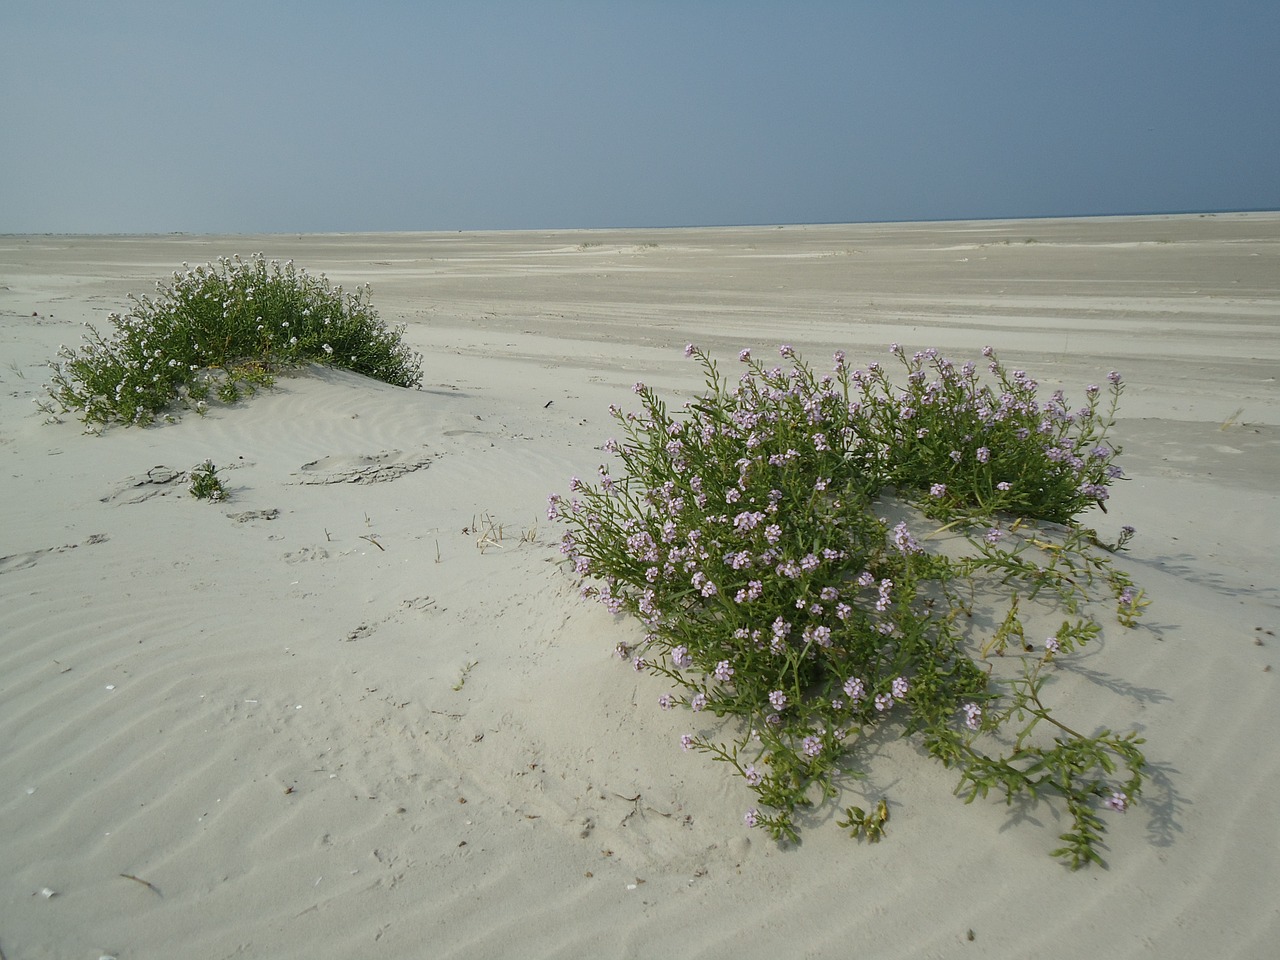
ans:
(1117, 802)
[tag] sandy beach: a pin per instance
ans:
(359, 709)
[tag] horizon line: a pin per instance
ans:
(686, 226)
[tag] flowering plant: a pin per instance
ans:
(808, 553)
(204, 483)
(224, 328)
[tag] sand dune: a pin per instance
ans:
(358, 709)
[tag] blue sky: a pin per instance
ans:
(374, 115)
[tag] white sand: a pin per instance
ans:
(266, 719)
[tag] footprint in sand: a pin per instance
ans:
(369, 468)
(254, 515)
(159, 481)
(306, 554)
(29, 558)
(362, 631)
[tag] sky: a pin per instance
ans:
(227, 116)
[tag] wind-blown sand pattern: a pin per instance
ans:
(358, 709)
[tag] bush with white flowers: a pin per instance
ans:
(223, 330)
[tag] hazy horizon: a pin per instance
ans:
(1153, 214)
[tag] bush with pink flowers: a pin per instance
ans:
(814, 558)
